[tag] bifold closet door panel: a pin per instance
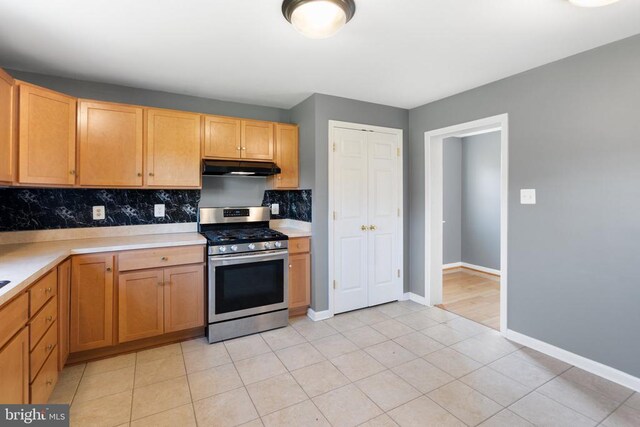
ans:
(350, 225)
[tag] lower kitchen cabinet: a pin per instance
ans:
(183, 297)
(140, 305)
(14, 370)
(64, 300)
(91, 321)
(299, 275)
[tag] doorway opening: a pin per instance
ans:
(466, 200)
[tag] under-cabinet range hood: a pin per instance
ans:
(239, 168)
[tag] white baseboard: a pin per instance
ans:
(405, 297)
(481, 268)
(581, 362)
(319, 315)
(417, 298)
(451, 265)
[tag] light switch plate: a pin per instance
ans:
(98, 212)
(528, 196)
(275, 209)
(158, 211)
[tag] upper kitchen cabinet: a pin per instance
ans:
(110, 144)
(229, 138)
(8, 116)
(287, 156)
(47, 137)
(172, 142)
(257, 140)
(222, 138)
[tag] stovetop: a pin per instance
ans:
(224, 236)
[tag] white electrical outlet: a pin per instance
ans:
(528, 196)
(275, 209)
(98, 212)
(158, 211)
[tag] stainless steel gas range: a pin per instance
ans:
(248, 268)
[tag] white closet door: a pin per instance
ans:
(383, 218)
(350, 205)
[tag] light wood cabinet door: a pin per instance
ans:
(91, 302)
(64, 300)
(172, 142)
(257, 140)
(299, 280)
(14, 370)
(222, 138)
(47, 137)
(140, 305)
(8, 116)
(183, 297)
(287, 157)
(110, 144)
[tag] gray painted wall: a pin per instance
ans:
(216, 191)
(481, 200)
(313, 116)
(452, 200)
(573, 257)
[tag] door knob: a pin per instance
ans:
(363, 227)
(372, 227)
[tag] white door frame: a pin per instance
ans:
(333, 124)
(433, 184)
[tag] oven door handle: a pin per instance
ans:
(232, 257)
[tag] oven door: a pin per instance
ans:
(247, 284)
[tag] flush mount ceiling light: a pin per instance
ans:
(592, 3)
(318, 19)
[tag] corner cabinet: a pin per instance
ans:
(8, 129)
(91, 321)
(299, 275)
(110, 144)
(172, 147)
(46, 136)
(287, 157)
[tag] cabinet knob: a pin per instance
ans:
(238, 148)
(49, 347)
(164, 258)
(139, 173)
(49, 382)
(109, 269)
(290, 266)
(151, 174)
(72, 172)
(243, 148)
(49, 318)
(48, 290)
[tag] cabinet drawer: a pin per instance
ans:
(43, 349)
(15, 315)
(45, 381)
(160, 257)
(41, 322)
(44, 289)
(299, 245)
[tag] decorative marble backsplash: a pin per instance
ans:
(294, 204)
(44, 209)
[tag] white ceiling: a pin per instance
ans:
(403, 53)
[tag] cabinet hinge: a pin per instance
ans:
(334, 284)
(334, 215)
(398, 272)
(398, 151)
(398, 211)
(334, 147)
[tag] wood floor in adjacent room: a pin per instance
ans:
(473, 295)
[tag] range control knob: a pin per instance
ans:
(222, 249)
(251, 246)
(267, 245)
(234, 248)
(278, 244)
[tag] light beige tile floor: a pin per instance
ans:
(396, 364)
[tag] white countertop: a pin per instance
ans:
(291, 228)
(24, 263)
